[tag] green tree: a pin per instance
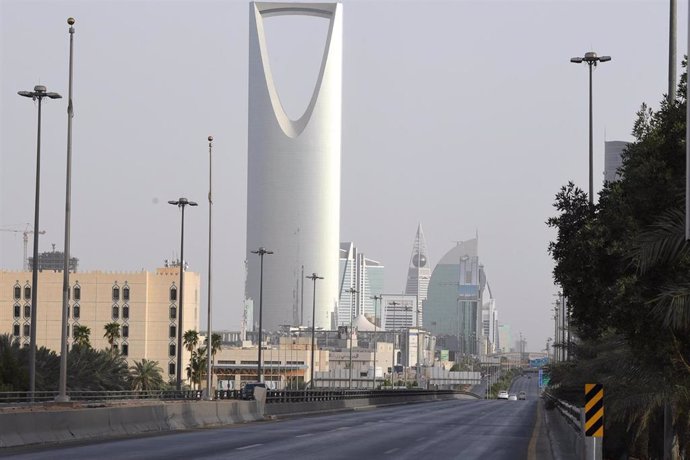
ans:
(146, 375)
(197, 367)
(13, 377)
(624, 266)
(112, 333)
(80, 335)
(190, 339)
(96, 370)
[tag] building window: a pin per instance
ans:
(27, 330)
(173, 294)
(17, 311)
(125, 312)
(116, 312)
(77, 311)
(116, 293)
(171, 368)
(172, 349)
(15, 330)
(125, 330)
(27, 311)
(125, 293)
(115, 347)
(17, 292)
(77, 292)
(68, 312)
(27, 292)
(173, 332)
(173, 312)
(125, 349)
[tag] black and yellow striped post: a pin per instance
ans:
(594, 420)
(594, 410)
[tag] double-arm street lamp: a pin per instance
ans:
(262, 251)
(313, 277)
(591, 59)
(181, 203)
(38, 94)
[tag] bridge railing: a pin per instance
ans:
(570, 413)
(13, 397)
(272, 396)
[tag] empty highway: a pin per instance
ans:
(467, 429)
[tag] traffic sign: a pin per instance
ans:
(594, 410)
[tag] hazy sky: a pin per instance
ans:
(462, 115)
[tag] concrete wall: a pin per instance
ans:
(51, 425)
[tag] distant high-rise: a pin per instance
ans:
(613, 159)
(366, 277)
(293, 186)
(418, 273)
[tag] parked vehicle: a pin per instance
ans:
(247, 391)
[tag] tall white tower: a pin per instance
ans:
(293, 196)
(418, 273)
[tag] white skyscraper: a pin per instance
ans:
(418, 273)
(293, 196)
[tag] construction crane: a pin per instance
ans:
(26, 232)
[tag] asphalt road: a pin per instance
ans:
(462, 429)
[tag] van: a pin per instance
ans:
(247, 391)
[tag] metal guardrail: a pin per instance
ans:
(11, 397)
(570, 413)
(272, 396)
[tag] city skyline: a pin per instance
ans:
(434, 129)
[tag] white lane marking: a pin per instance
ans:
(249, 446)
(391, 451)
(421, 439)
(340, 428)
(304, 435)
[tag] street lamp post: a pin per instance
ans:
(62, 385)
(38, 94)
(261, 252)
(591, 59)
(313, 277)
(393, 304)
(209, 339)
(376, 298)
(181, 203)
(352, 292)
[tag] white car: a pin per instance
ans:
(512, 397)
(502, 394)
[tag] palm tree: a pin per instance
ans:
(197, 366)
(190, 340)
(146, 375)
(80, 334)
(216, 343)
(112, 333)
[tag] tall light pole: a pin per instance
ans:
(313, 277)
(352, 292)
(376, 298)
(38, 94)
(393, 304)
(672, 52)
(209, 355)
(262, 251)
(181, 203)
(591, 59)
(62, 386)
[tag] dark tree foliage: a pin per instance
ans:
(624, 266)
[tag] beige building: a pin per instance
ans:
(284, 366)
(365, 364)
(144, 304)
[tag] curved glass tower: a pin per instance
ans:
(293, 188)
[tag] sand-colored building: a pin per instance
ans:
(144, 304)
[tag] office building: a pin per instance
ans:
(418, 273)
(613, 159)
(365, 276)
(143, 303)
